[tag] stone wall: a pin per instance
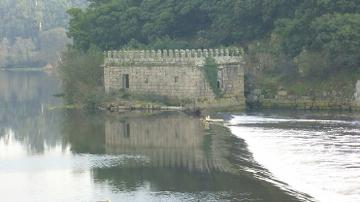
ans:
(326, 101)
(174, 73)
(176, 80)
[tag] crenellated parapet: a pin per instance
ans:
(186, 56)
(176, 74)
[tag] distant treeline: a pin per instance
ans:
(32, 32)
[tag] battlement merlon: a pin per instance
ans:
(193, 56)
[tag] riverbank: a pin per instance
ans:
(302, 103)
(305, 104)
(23, 69)
(45, 68)
(340, 92)
(218, 104)
(82, 76)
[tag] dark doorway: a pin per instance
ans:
(126, 130)
(126, 80)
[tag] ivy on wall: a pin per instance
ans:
(211, 74)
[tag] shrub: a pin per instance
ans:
(82, 76)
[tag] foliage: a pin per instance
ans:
(211, 75)
(341, 85)
(19, 53)
(82, 76)
(296, 28)
(163, 24)
(288, 41)
(326, 28)
(306, 60)
(29, 28)
(338, 36)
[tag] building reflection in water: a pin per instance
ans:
(177, 153)
(169, 140)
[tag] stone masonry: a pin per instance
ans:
(174, 73)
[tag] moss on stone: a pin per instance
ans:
(211, 75)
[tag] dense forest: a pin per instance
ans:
(32, 32)
(318, 36)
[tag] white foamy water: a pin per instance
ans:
(318, 157)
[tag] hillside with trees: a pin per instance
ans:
(32, 32)
(298, 29)
(288, 43)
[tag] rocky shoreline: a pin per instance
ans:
(193, 107)
(306, 104)
(333, 100)
(121, 108)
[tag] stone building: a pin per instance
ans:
(175, 74)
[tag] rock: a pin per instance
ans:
(324, 94)
(282, 93)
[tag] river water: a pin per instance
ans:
(317, 153)
(54, 155)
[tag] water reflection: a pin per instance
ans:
(76, 156)
(24, 97)
(166, 156)
(26, 88)
(175, 153)
(84, 132)
(170, 140)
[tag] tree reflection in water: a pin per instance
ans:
(24, 98)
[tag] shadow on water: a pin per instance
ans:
(84, 132)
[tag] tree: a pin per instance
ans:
(28, 21)
(300, 27)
